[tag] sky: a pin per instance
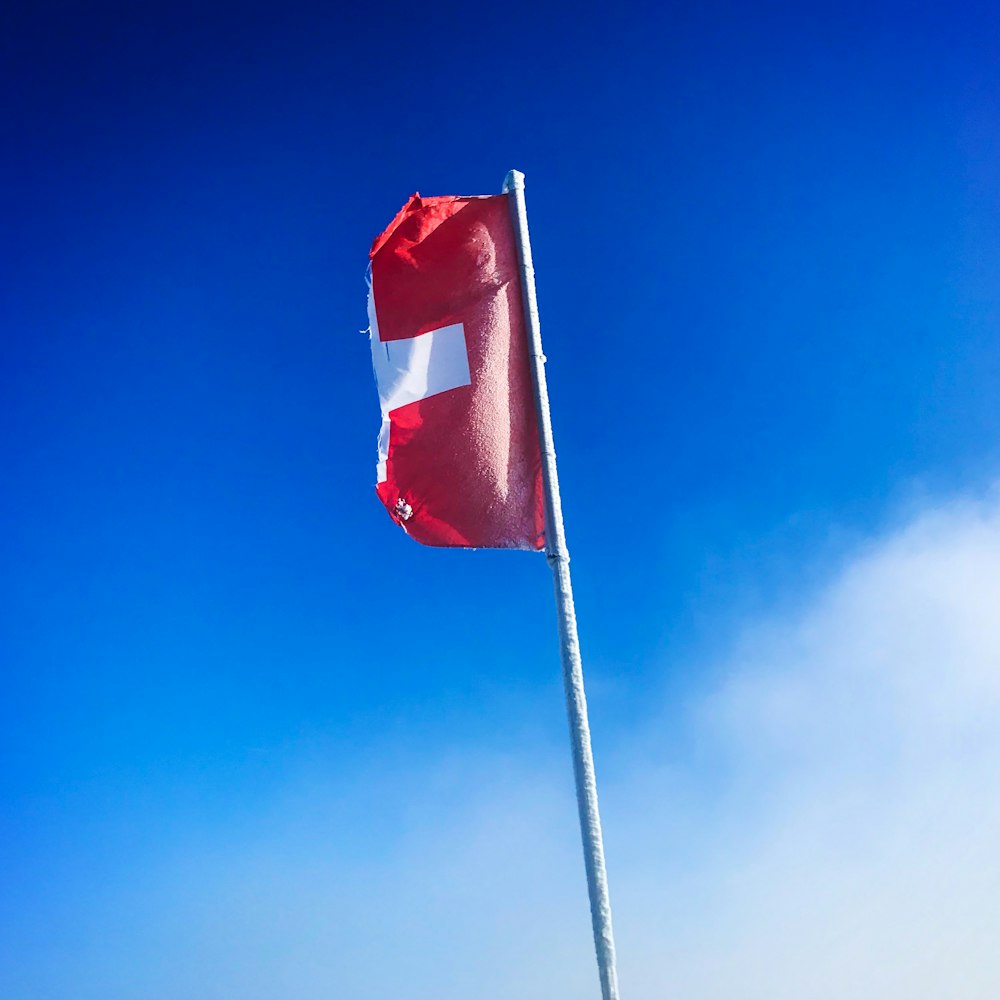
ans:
(254, 742)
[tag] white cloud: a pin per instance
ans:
(851, 846)
(822, 823)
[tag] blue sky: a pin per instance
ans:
(768, 250)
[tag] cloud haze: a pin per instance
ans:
(850, 847)
(821, 820)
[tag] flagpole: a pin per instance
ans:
(569, 643)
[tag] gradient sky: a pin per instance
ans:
(767, 239)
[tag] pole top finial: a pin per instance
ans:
(513, 182)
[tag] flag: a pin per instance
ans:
(459, 462)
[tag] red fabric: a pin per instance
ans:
(465, 461)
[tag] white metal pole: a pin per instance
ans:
(558, 556)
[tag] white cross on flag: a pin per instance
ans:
(459, 462)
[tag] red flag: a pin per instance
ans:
(459, 462)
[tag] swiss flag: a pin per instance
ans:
(459, 461)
